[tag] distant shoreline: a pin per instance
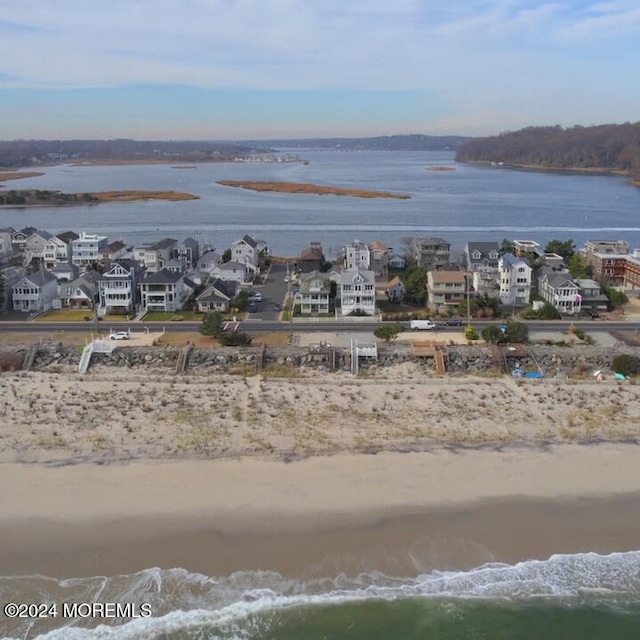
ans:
(597, 171)
(299, 187)
(37, 198)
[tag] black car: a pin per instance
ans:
(454, 322)
(593, 314)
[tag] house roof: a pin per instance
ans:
(164, 276)
(65, 267)
(311, 253)
(210, 256)
(68, 236)
(116, 245)
(509, 260)
(394, 282)
(349, 275)
(165, 243)
(376, 245)
(43, 234)
(232, 266)
(40, 278)
(485, 248)
(218, 290)
(440, 277)
(556, 279)
(250, 241)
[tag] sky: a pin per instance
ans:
(247, 69)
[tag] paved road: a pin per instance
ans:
(269, 324)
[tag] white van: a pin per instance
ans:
(425, 325)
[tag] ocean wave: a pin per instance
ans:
(183, 601)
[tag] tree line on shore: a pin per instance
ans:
(608, 147)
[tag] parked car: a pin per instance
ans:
(454, 322)
(277, 307)
(593, 314)
(256, 296)
(119, 335)
(425, 325)
(287, 278)
(252, 307)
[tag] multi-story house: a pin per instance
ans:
(482, 256)
(162, 290)
(81, 293)
(356, 254)
(218, 296)
(357, 292)
(19, 238)
(113, 251)
(445, 289)
(515, 280)
(397, 262)
(232, 271)
(431, 253)
(187, 253)
(118, 288)
(209, 261)
(395, 289)
(311, 258)
(56, 250)
(35, 292)
(245, 251)
(379, 259)
(87, 248)
(314, 293)
(35, 247)
(593, 297)
(153, 256)
(557, 288)
(65, 271)
(526, 247)
(10, 276)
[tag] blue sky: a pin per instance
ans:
(233, 69)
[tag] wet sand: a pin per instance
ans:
(399, 514)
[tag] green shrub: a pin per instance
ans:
(626, 364)
(470, 333)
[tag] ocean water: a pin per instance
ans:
(470, 203)
(566, 597)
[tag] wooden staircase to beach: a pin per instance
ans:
(183, 356)
(432, 349)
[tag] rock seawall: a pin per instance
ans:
(461, 359)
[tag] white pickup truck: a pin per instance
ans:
(425, 325)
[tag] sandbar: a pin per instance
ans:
(299, 187)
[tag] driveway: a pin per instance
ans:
(273, 291)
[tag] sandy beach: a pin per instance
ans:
(118, 471)
(398, 513)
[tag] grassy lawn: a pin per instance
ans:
(66, 315)
(161, 316)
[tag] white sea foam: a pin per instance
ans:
(184, 601)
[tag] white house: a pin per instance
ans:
(218, 296)
(397, 262)
(245, 251)
(356, 254)
(482, 256)
(515, 280)
(557, 288)
(313, 295)
(395, 289)
(87, 249)
(231, 271)
(162, 290)
(357, 292)
(55, 251)
(209, 261)
(153, 256)
(35, 292)
(117, 288)
(35, 246)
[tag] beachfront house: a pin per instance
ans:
(59, 249)
(314, 293)
(81, 293)
(515, 280)
(379, 259)
(356, 254)
(154, 255)
(431, 253)
(187, 253)
(209, 260)
(311, 259)
(113, 251)
(357, 292)
(445, 290)
(118, 288)
(397, 262)
(232, 272)
(482, 256)
(217, 296)
(35, 292)
(557, 288)
(87, 248)
(19, 238)
(593, 297)
(245, 251)
(162, 290)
